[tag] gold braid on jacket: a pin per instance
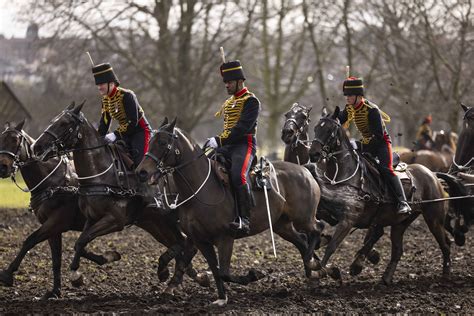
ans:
(232, 109)
(115, 108)
(360, 117)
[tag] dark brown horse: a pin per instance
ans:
(53, 200)
(207, 206)
(104, 200)
(342, 193)
(460, 179)
(295, 134)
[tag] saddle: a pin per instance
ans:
(373, 183)
(259, 174)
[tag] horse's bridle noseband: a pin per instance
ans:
(57, 145)
(15, 155)
(326, 146)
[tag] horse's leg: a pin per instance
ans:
(55, 243)
(373, 235)
(436, 226)
(396, 237)
(209, 253)
(108, 257)
(286, 230)
(47, 229)
(106, 225)
(164, 260)
(225, 246)
(342, 230)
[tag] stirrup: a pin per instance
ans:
(240, 224)
(404, 208)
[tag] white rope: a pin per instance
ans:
(41, 182)
(462, 167)
(272, 170)
(333, 181)
(97, 175)
(174, 205)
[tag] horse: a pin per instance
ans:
(460, 179)
(53, 201)
(295, 134)
(207, 205)
(439, 158)
(107, 204)
(343, 193)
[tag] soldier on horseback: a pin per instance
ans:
(122, 105)
(237, 142)
(375, 138)
(424, 135)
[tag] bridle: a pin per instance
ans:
(326, 152)
(167, 170)
(16, 154)
(299, 129)
(58, 144)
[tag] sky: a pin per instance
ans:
(9, 26)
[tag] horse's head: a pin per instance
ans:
(327, 135)
(296, 122)
(14, 147)
(464, 156)
(62, 134)
(163, 152)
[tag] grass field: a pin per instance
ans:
(11, 196)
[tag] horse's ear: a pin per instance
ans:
(324, 111)
(309, 109)
(71, 106)
(78, 108)
(173, 123)
(165, 121)
(19, 126)
(7, 125)
(465, 108)
(335, 115)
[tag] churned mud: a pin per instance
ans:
(131, 284)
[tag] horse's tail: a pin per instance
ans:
(457, 188)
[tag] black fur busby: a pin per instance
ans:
(232, 71)
(353, 86)
(104, 73)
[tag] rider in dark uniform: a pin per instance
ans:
(424, 135)
(375, 139)
(237, 142)
(122, 105)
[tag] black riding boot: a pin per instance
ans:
(396, 184)
(244, 199)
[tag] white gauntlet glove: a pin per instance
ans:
(211, 142)
(110, 137)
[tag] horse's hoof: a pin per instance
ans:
(254, 275)
(320, 274)
(314, 265)
(220, 302)
(203, 279)
(355, 269)
(112, 256)
(6, 279)
(459, 239)
(163, 275)
(373, 256)
(77, 279)
(54, 294)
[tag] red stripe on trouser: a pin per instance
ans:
(243, 172)
(390, 156)
(146, 130)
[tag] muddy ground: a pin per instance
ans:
(131, 284)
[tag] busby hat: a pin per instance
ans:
(232, 71)
(353, 86)
(104, 73)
